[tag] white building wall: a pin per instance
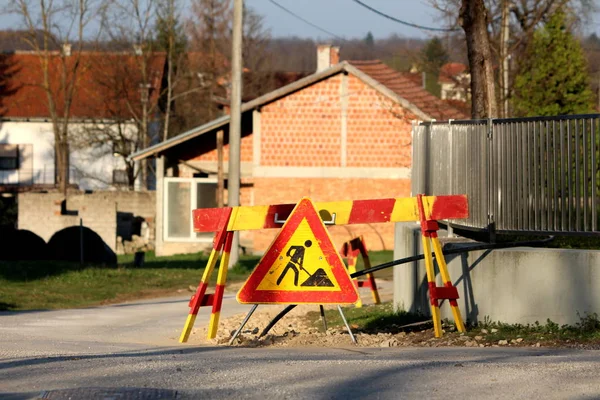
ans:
(41, 159)
(91, 168)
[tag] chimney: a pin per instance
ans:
(66, 48)
(327, 56)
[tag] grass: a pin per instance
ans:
(382, 318)
(585, 330)
(35, 285)
(45, 285)
(376, 258)
(368, 318)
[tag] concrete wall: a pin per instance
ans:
(521, 285)
(41, 212)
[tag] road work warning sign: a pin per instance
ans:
(301, 266)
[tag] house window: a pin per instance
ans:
(120, 177)
(9, 156)
(181, 196)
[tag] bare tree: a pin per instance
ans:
(473, 19)
(255, 53)
(171, 39)
(116, 80)
(133, 20)
(209, 29)
(60, 23)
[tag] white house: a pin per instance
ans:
(108, 91)
(454, 80)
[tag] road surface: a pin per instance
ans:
(130, 351)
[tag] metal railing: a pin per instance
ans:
(534, 175)
(30, 177)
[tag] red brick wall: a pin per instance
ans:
(245, 152)
(278, 190)
(303, 129)
(379, 132)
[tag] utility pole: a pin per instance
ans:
(598, 90)
(505, 37)
(220, 180)
(235, 123)
(144, 95)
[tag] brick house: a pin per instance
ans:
(341, 133)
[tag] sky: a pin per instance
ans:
(346, 18)
(343, 18)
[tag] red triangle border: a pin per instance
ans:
(347, 293)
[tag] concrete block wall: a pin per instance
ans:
(140, 204)
(41, 212)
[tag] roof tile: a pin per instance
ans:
(107, 84)
(409, 90)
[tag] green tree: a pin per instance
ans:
(170, 33)
(553, 78)
(433, 56)
(369, 39)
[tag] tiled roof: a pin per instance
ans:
(449, 72)
(409, 90)
(414, 77)
(107, 85)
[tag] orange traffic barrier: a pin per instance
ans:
(224, 221)
(221, 248)
(350, 251)
(429, 236)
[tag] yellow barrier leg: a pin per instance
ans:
(435, 310)
(213, 325)
(195, 304)
(439, 256)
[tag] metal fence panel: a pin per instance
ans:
(533, 175)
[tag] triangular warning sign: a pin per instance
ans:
(301, 266)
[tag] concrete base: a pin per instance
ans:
(521, 285)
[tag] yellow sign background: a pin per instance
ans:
(314, 258)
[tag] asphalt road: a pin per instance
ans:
(130, 351)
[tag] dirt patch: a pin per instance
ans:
(295, 330)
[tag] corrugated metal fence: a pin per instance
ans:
(535, 175)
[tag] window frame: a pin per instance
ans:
(5, 147)
(193, 200)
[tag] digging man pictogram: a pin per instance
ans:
(296, 254)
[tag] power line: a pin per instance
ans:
(306, 21)
(404, 22)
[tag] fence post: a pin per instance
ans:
(421, 158)
(489, 184)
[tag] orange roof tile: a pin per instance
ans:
(407, 89)
(107, 84)
(450, 71)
